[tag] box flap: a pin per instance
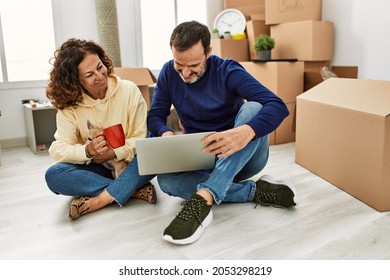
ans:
(257, 17)
(346, 71)
(369, 96)
(139, 75)
(247, 7)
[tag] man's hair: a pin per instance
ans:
(188, 34)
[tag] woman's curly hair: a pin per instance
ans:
(64, 88)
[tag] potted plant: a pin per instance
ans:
(215, 34)
(227, 35)
(263, 45)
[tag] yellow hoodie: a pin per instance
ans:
(123, 104)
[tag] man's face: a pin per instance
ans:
(190, 64)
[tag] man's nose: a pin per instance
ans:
(186, 72)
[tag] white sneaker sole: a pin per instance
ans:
(197, 234)
(272, 180)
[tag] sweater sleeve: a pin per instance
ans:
(67, 147)
(161, 105)
(274, 110)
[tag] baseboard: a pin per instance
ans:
(12, 143)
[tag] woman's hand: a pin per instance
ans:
(99, 150)
(101, 158)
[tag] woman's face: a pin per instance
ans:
(93, 76)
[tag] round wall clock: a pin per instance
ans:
(231, 20)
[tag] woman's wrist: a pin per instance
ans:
(87, 152)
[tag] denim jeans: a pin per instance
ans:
(228, 181)
(90, 180)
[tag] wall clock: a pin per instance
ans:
(231, 20)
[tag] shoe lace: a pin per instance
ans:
(266, 199)
(191, 208)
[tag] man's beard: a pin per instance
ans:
(196, 77)
(193, 79)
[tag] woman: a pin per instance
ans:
(85, 91)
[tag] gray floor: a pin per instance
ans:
(328, 224)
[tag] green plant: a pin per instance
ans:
(264, 42)
(227, 35)
(215, 30)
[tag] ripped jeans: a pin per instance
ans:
(90, 180)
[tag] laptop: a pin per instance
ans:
(169, 154)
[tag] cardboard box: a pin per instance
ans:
(284, 134)
(271, 138)
(343, 136)
(304, 40)
(345, 71)
(247, 7)
(313, 77)
(141, 76)
(230, 48)
(283, 78)
(315, 66)
(281, 11)
(254, 28)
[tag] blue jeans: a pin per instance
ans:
(90, 180)
(228, 181)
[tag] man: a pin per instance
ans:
(213, 94)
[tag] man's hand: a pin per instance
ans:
(168, 133)
(226, 143)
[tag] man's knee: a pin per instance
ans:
(247, 111)
(163, 182)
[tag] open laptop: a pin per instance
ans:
(169, 154)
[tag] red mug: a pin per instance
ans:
(115, 136)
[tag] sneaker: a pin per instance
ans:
(277, 193)
(190, 223)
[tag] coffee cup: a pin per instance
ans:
(115, 136)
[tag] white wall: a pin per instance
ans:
(353, 20)
(361, 36)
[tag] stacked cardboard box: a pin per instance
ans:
(310, 40)
(285, 11)
(247, 7)
(242, 49)
(284, 79)
(254, 27)
(231, 48)
(299, 33)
